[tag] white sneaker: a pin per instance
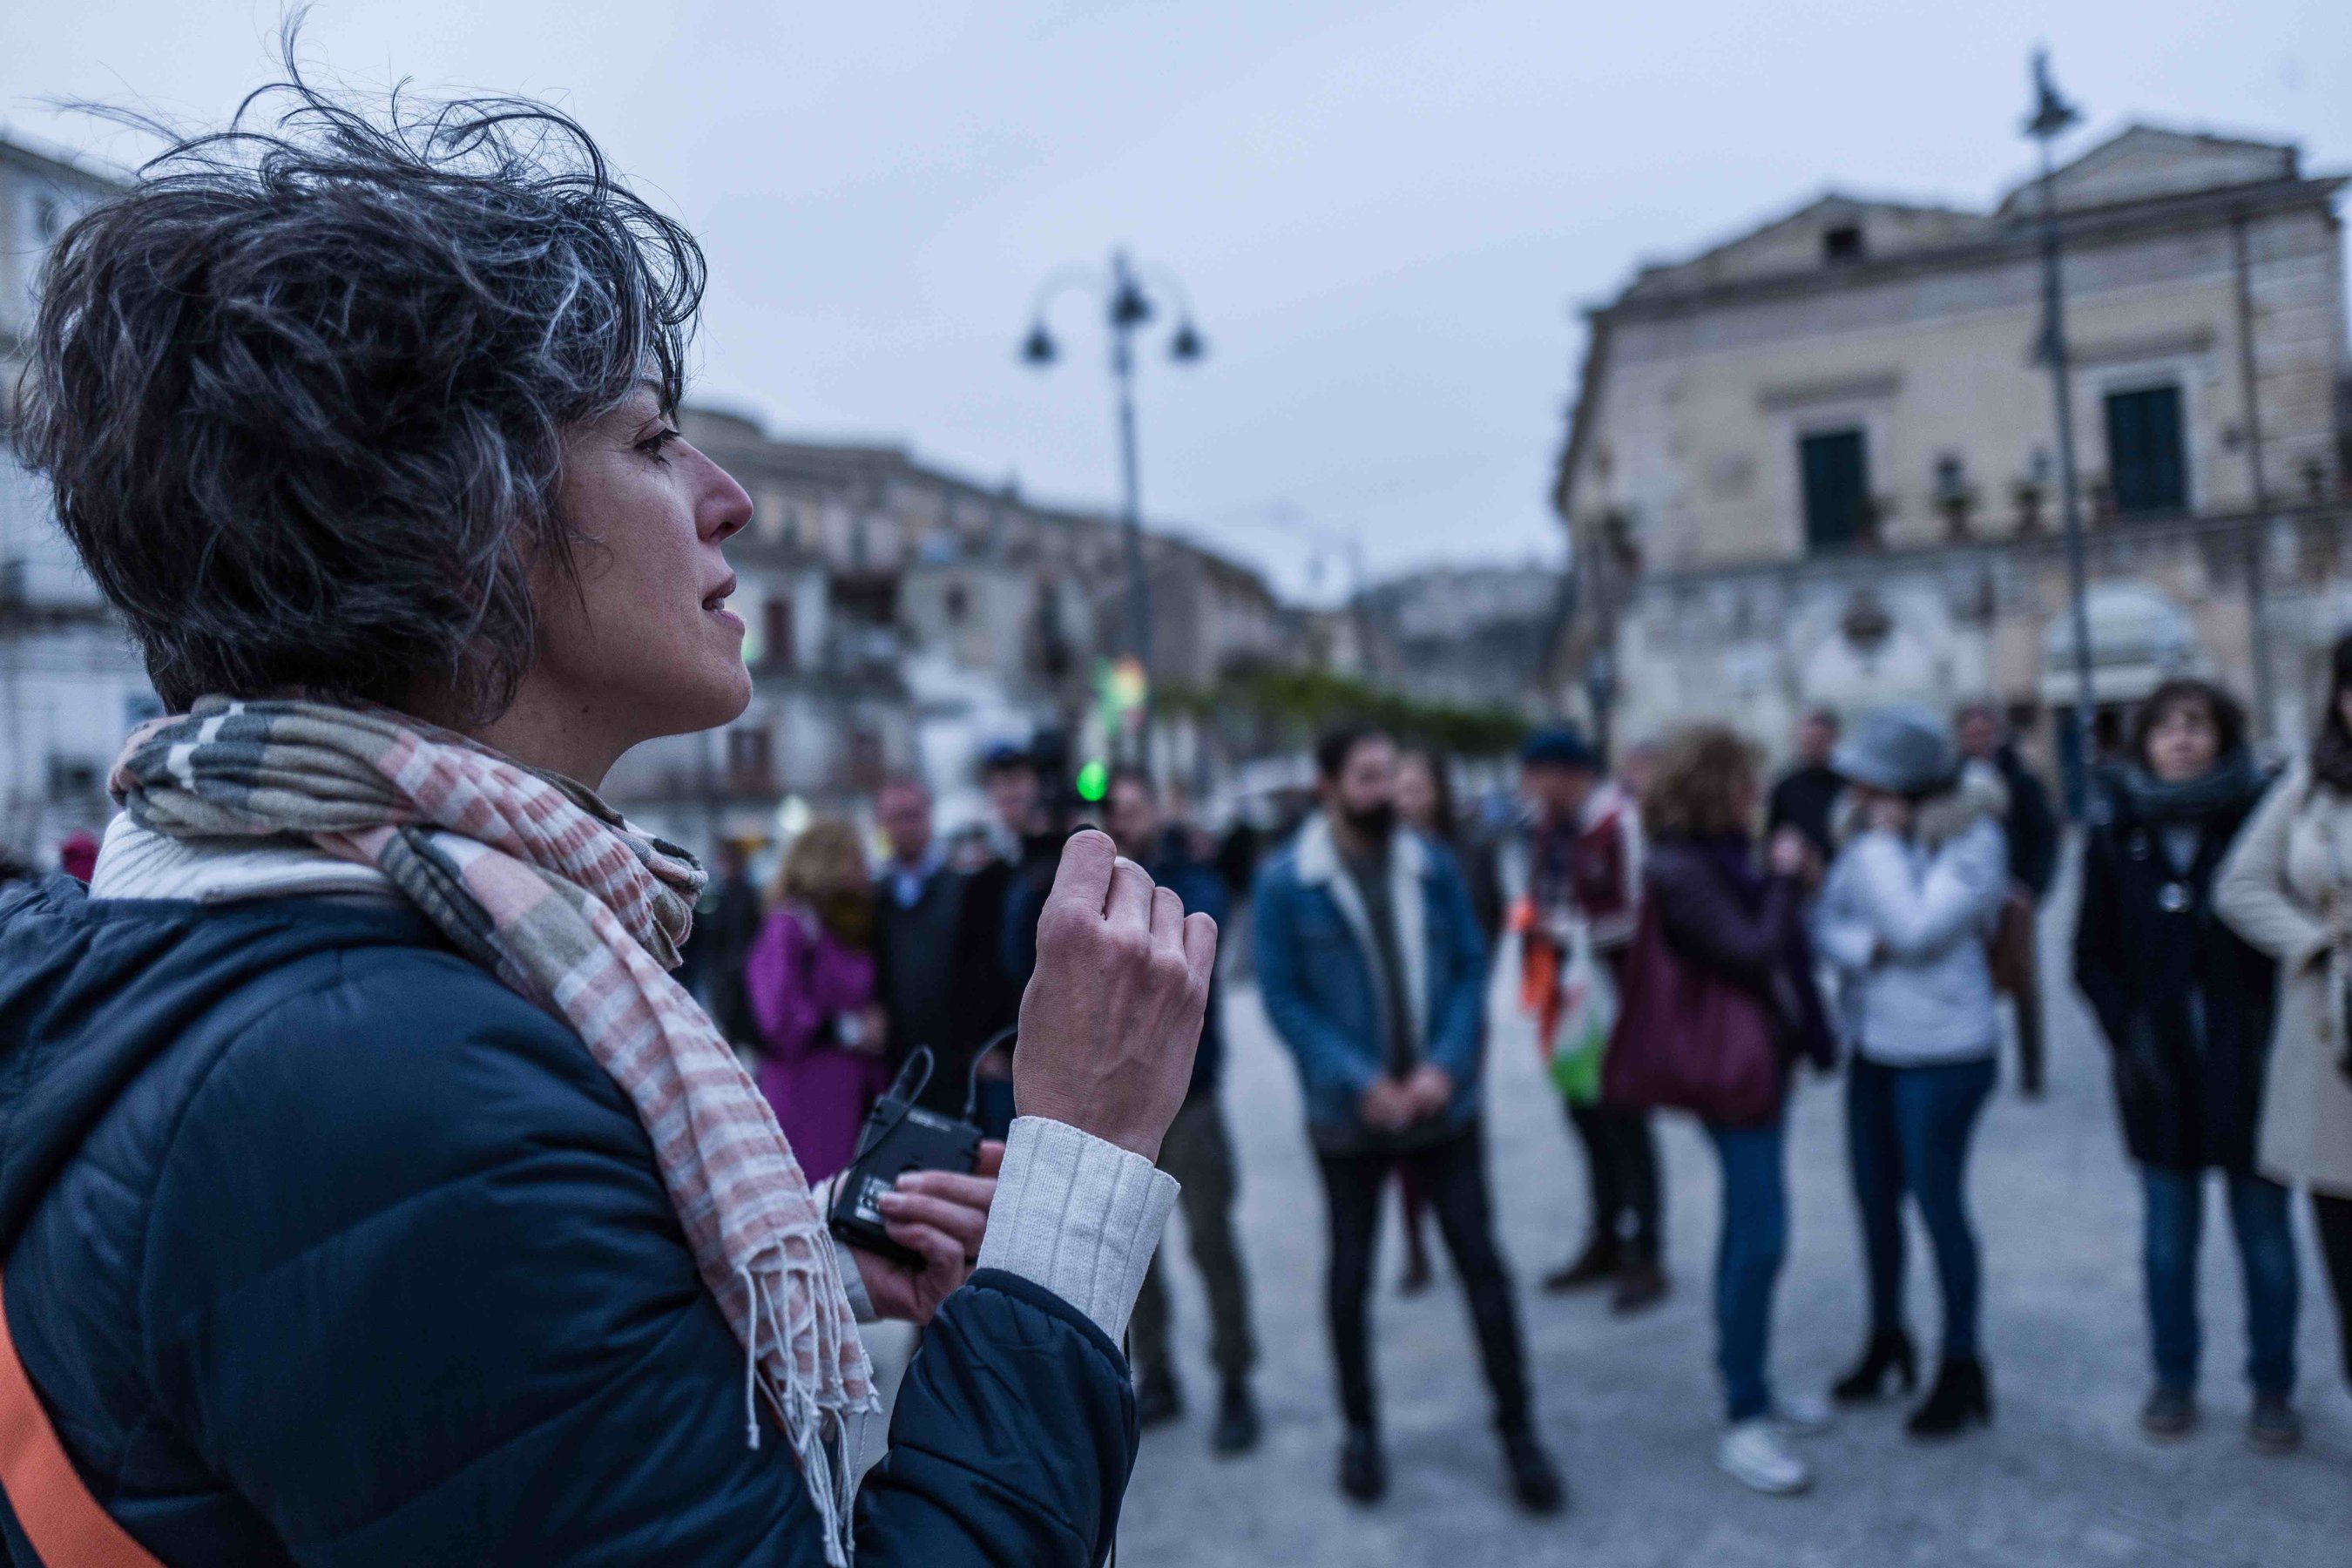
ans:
(1802, 1414)
(1755, 1455)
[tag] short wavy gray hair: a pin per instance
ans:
(302, 393)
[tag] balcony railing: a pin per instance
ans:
(2318, 532)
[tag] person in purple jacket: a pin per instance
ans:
(1726, 908)
(810, 977)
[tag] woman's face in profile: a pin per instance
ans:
(645, 645)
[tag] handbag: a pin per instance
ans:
(1689, 1037)
(2010, 951)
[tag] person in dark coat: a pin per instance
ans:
(938, 935)
(1803, 796)
(1584, 872)
(2186, 1007)
(1033, 821)
(289, 1095)
(1717, 907)
(370, 1193)
(1424, 798)
(735, 917)
(1198, 1152)
(2031, 827)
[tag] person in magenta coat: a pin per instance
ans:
(810, 979)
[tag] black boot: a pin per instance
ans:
(1363, 1468)
(1961, 1396)
(1885, 1353)
(1158, 1399)
(1597, 1265)
(1534, 1480)
(1237, 1424)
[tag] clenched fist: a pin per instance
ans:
(1112, 1015)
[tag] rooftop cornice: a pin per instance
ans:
(1651, 298)
(58, 162)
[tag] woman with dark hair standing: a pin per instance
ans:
(1718, 912)
(1424, 800)
(370, 1193)
(1904, 916)
(2287, 888)
(2186, 1009)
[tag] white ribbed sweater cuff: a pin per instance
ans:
(1077, 1215)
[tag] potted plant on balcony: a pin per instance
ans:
(2026, 494)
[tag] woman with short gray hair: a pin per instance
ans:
(370, 1193)
(1903, 917)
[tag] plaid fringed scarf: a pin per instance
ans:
(538, 880)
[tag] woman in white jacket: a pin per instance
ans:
(1903, 917)
(2287, 888)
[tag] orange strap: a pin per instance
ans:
(60, 1517)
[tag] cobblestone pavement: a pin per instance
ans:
(2063, 1478)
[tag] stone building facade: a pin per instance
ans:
(70, 684)
(1462, 637)
(1816, 464)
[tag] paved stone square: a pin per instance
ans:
(2063, 1479)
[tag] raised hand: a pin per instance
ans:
(1112, 1015)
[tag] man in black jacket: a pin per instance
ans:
(1802, 798)
(725, 942)
(938, 933)
(2032, 828)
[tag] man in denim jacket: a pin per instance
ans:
(1372, 971)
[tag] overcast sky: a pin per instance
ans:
(1386, 214)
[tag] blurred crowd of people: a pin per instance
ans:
(1690, 941)
(1686, 940)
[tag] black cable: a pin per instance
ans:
(971, 1079)
(898, 1090)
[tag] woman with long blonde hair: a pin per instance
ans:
(810, 978)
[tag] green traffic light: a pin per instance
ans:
(1093, 782)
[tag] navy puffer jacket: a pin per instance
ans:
(323, 1246)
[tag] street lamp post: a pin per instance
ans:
(1126, 308)
(2051, 115)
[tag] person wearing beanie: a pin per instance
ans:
(1914, 893)
(1584, 872)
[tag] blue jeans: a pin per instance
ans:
(1908, 1129)
(1747, 1254)
(2176, 1221)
